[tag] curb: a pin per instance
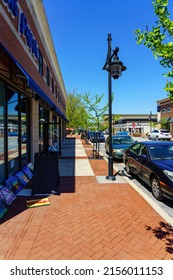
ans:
(153, 204)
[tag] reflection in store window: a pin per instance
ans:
(13, 132)
(24, 131)
(2, 100)
(43, 119)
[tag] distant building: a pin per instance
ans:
(134, 123)
(165, 113)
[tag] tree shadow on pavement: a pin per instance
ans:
(163, 232)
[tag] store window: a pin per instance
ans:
(14, 126)
(48, 76)
(56, 92)
(168, 110)
(43, 120)
(2, 132)
(13, 131)
(55, 129)
(17, 150)
(40, 63)
(53, 86)
(25, 131)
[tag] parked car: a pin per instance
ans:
(119, 143)
(24, 138)
(13, 133)
(96, 136)
(152, 162)
(122, 133)
(161, 134)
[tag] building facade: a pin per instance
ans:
(135, 123)
(32, 91)
(165, 113)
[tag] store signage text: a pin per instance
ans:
(22, 25)
(26, 31)
(12, 6)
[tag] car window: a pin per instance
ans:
(143, 150)
(136, 148)
(122, 140)
(161, 152)
(117, 140)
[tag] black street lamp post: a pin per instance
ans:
(150, 119)
(114, 68)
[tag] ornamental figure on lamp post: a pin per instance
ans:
(114, 67)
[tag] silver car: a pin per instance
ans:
(159, 134)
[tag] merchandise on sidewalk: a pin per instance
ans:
(37, 202)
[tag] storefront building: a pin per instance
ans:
(165, 113)
(32, 91)
(135, 123)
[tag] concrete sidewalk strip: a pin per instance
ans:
(77, 167)
(74, 151)
(103, 180)
(68, 152)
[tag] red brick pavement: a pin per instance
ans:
(88, 221)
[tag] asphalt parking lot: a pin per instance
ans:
(166, 205)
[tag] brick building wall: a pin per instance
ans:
(15, 43)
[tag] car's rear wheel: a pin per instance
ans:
(156, 190)
(127, 167)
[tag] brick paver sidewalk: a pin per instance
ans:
(88, 220)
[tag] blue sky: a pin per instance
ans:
(79, 30)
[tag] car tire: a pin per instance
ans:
(156, 190)
(128, 171)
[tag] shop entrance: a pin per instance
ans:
(52, 137)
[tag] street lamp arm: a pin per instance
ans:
(109, 59)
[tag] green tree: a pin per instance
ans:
(76, 112)
(159, 40)
(164, 123)
(96, 113)
(114, 119)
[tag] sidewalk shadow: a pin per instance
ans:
(163, 232)
(18, 206)
(66, 182)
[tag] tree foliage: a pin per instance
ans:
(159, 41)
(92, 105)
(76, 112)
(84, 111)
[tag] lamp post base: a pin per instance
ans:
(110, 175)
(110, 178)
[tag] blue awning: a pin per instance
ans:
(34, 86)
